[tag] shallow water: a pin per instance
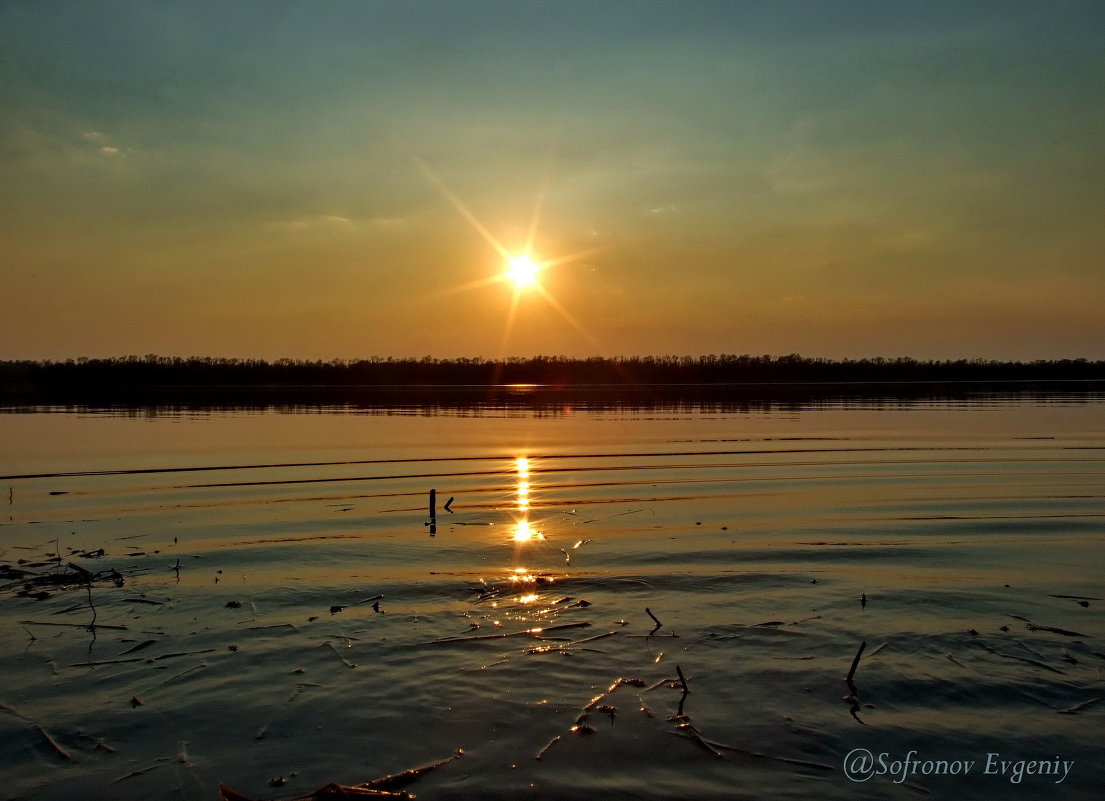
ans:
(751, 535)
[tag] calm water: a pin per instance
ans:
(751, 535)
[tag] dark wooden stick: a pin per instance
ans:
(1033, 662)
(50, 741)
(72, 625)
(801, 762)
(548, 745)
(855, 662)
(660, 683)
(1064, 632)
(537, 632)
(656, 619)
(592, 639)
(373, 599)
(99, 662)
(682, 679)
(1078, 707)
(91, 605)
(398, 780)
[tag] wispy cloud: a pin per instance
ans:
(314, 223)
(103, 147)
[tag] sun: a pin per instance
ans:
(518, 267)
(522, 270)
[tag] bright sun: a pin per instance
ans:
(522, 271)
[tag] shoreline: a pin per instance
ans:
(538, 397)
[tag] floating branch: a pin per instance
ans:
(148, 660)
(345, 661)
(384, 787)
(97, 742)
(99, 662)
(139, 647)
(654, 618)
(622, 681)
(800, 762)
(1032, 651)
(570, 647)
(192, 669)
(1074, 710)
(686, 729)
(50, 741)
(181, 653)
(535, 632)
(580, 725)
(13, 711)
(689, 732)
(396, 780)
(1032, 662)
(374, 599)
(72, 625)
(1052, 629)
(592, 639)
(541, 754)
(951, 658)
(1079, 597)
(669, 681)
(139, 772)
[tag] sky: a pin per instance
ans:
(350, 179)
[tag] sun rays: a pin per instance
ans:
(521, 269)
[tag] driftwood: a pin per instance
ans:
(1074, 710)
(1054, 630)
(581, 725)
(1033, 662)
(534, 632)
(384, 787)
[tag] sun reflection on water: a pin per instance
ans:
(523, 530)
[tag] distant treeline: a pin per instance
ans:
(163, 372)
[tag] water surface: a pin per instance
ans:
(248, 546)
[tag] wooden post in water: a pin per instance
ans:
(433, 512)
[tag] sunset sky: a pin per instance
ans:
(320, 180)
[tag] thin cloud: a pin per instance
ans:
(314, 223)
